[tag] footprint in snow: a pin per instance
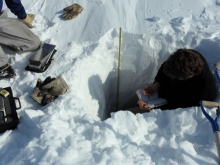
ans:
(179, 21)
(217, 2)
(180, 24)
(153, 19)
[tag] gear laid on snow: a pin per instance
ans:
(41, 58)
(48, 99)
(8, 106)
(75, 7)
(49, 90)
(42, 96)
(72, 11)
(36, 93)
(28, 20)
(7, 72)
(56, 87)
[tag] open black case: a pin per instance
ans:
(10, 119)
(41, 58)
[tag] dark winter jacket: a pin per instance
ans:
(16, 7)
(187, 93)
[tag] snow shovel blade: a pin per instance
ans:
(213, 122)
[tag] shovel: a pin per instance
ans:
(213, 122)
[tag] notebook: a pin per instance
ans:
(152, 101)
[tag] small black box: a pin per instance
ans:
(10, 109)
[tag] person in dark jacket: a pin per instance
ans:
(184, 79)
(14, 35)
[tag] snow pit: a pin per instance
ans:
(93, 73)
(97, 88)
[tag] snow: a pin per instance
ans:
(72, 129)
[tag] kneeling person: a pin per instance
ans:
(15, 35)
(184, 79)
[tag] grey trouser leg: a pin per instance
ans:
(15, 35)
(3, 57)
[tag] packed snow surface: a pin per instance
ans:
(76, 127)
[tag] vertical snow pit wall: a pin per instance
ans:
(97, 75)
(141, 56)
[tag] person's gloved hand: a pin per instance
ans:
(75, 7)
(56, 87)
(37, 90)
(28, 20)
(42, 96)
(72, 11)
(70, 15)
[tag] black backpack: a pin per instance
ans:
(8, 115)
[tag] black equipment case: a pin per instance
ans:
(10, 119)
